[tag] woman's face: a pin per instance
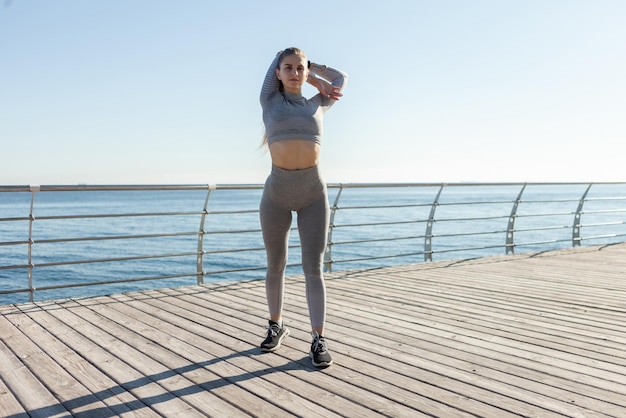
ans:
(293, 72)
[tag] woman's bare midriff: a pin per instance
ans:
(295, 154)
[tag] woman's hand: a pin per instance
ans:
(325, 88)
(330, 91)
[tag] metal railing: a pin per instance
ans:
(371, 225)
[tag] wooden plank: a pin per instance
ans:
(437, 324)
(315, 386)
(9, 405)
(90, 373)
(470, 314)
(228, 374)
(376, 379)
(490, 393)
(29, 391)
(490, 304)
(292, 372)
(533, 334)
(494, 371)
(373, 318)
(127, 367)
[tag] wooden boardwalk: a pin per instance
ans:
(540, 335)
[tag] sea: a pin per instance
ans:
(373, 227)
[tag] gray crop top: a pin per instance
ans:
(292, 116)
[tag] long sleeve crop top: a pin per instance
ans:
(292, 116)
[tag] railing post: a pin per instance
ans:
(328, 253)
(510, 231)
(579, 211)
(201, 233)
(31, 241)
(428, 238)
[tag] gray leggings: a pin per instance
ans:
(302, 191)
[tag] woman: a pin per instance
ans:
(293, 128)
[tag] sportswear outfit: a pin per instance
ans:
(291, 116)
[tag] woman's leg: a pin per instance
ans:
(275, 224)
(313, 228)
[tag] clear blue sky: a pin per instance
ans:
(151, 91)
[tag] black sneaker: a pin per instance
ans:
(275, 336)
(319, 352)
